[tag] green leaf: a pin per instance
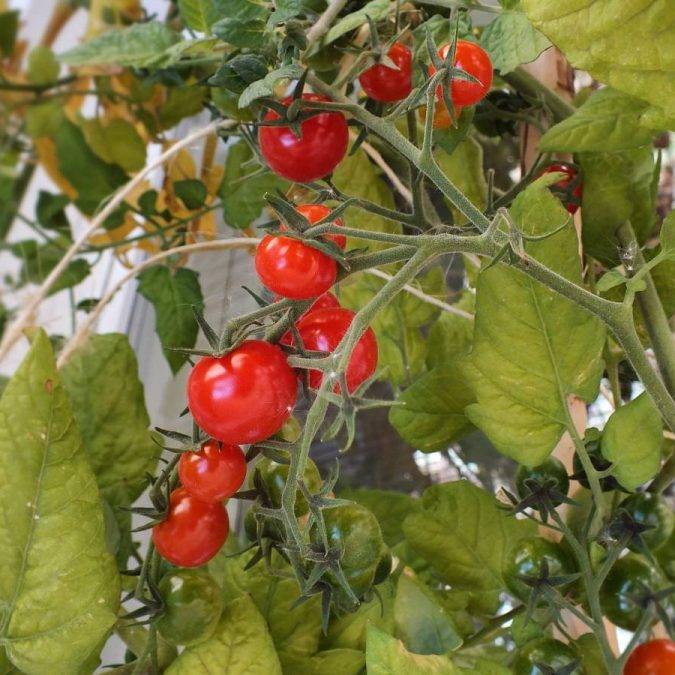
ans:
(617, 188)
(101, 379)
(244, 186)
(198, 14)
(173, 294)
(116, 142)
(181, 102)
(42, 65)
(295, 630)
(386, 655)
(239, 72)
(667, 236)
(609, 121)
(423, 625)
(338, 661)
(632, 440)
(532, 347)
(50, 213)
(511, 40)
(192, 192)
(285, 10)
(375, 9)
(349, 630)
(593, 35)
(192, 48)
(464, 534)
(59, 589)
(241, 645)
(610, 279)
(265, 86)
(93, 178)
(136, 46)
(39, 260)
(244, 23)
(390, 508)
(431, 412)
(451, 335)
(9, 26)
(464, 167)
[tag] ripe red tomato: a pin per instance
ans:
(214, 473)
(386, 84)
(325, 301)
(316, 212)
(193, 532)
(322, 330)
(656, 657)
(244, 396)
(473, 60)
(572, 200)
(292, 269)
(320, 148)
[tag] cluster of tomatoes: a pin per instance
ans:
(246, 395)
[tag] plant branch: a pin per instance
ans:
(527, 84)
(652, 311)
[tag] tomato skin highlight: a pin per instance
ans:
(292, 269)
(323, 144)
(322, 330)
(382, 83)
(244, 396)
(316, 212)
(473, 60)
(192, 606)
(193, 532)
(656, 657)
(214, 473)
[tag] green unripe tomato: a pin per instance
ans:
(274, 476)
(551, 473)
(651, 510)
(355, 531)
(626, 583)
(592, 444)
(193, 603)
(384, 567)
(526, 559)
(545, 652)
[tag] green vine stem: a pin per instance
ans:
(652, 311)
(529, 85)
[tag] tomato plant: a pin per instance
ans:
(193, 530)
(435, 409)
(656, 657)
(310, 153)
(244, 396)
(383, 83)
(213, 473)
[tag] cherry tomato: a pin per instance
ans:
(656, 657)
(550, 474)
(322, 330)
(193, 532)
(316, 212)
(473, 60)
(592, 443)
(354, 530)
(547, 652)
(651, 510)
(320, 148)
(571, 188)
(386, 84)
(528, 558)
(627, 583)
(292, 269)
(274, 477)
(442, 118)
(214, 473)
(244, 396)
(192, 606)
(325, 301)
